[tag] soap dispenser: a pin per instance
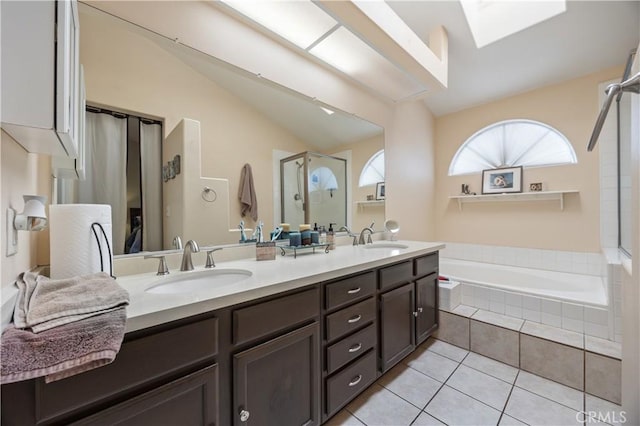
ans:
(331, 237)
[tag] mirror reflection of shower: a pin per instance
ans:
(314, 190)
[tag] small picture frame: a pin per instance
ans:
(380, 191)
(504, 180)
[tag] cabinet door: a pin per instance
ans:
(426, 307)
(189, 401)
(397, 338)
(278, 382)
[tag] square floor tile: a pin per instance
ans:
(379, 406)
(455, 408)
(604, 411)
(344, 418)
(561, 394)
(431, 364)
(445, 349)
(510, 421)
(493, 392)
(536, 410)
(425, 419)
(491, 367)
(410, 384)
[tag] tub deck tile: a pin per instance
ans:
(465, 311)
(499, 320)
(566, 337)
(603, 347)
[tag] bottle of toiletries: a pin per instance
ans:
(323, 235)
(331, 237)
(315, 226)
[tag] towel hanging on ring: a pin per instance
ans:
(247, 194)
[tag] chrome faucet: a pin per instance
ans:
(187, 263)
(368, 229)
(177, 243)
(351, 234)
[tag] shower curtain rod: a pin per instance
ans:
(615, 90)
(122, 115)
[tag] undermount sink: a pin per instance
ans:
(386, 246)
(185, 282)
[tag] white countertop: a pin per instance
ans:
(268, 278)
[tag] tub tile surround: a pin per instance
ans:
(478, 390)
(581, 362)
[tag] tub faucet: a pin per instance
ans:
(190, 247)
(351, 234)
(369, 230)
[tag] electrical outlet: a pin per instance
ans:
(12, 234)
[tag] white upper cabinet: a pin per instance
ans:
(40, 75)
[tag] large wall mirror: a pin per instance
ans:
(241, 120)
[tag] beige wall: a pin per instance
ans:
(128, 72)
(570, 107)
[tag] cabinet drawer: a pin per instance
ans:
(344, 291)
(426, 265)
(396, 274)
(350, 348)
(351, 318)
(342, 387)
(274, 315)
(138, 363)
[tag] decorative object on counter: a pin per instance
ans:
(72, 242)
(276, 233)
(285, 227)
(306, 237)
(304, 227)
(504, 180)
(75, 324)
(535, 187)
(32, 218)
(247, 194)
(380, 193)
(257, 234)
(315, 237)
(464, 190)
(331, 237)
(295, 249)
(243, 235)
(209, 194)
(323, 235)
(393, 227)
(295, 239)
(266, 251)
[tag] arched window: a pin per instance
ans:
(512, 143)
(373, 171)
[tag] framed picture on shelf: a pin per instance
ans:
(499, 181)
(380, 191)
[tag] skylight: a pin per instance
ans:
(491, 20)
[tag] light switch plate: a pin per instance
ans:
(12, 238)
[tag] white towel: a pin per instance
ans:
(43, 303)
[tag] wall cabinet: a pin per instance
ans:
(295, 358)
(40, 75)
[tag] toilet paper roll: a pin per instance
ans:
(73, 247)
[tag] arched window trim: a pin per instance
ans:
(502, 123)
(369, 165)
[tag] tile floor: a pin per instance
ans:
(442, 384)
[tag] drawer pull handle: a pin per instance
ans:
(355, 348)
(354, 319)
(355, 380)
(244, 415)
(354, 290)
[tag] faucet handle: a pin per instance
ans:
(369, 240)
(210, 250)
(163, 269)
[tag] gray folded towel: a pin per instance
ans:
(43, 303)
(62, 351)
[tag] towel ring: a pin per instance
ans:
(209, 195)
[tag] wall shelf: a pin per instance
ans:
(372, 203)
(517, 196)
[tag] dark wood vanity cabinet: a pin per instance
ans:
(294, 358)
(408, 312)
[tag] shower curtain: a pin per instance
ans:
(106, 161)
(151, 164)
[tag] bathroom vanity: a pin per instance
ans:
(285, 348)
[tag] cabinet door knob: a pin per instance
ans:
(420, 310)
(415, 314)
(354, 319)
(355, 380)
(354, 290)
(244, 415)
(355, 348)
